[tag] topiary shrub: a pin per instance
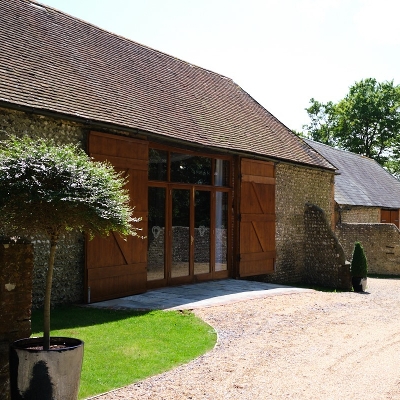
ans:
(359, 265)
(49, 189)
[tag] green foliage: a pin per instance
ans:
(366, 122)
(47, 188)
(359, 265)
(122, 347)
(321, 128)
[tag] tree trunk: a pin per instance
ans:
(47, 297)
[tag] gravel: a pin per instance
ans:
(306, 345)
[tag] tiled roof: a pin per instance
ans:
(361, 180)
(54, 62)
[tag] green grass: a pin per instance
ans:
(122, 347)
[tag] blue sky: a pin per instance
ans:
(282, 52)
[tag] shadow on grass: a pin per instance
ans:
(68, 317)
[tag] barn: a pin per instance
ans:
(219, 183)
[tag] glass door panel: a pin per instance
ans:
(202, 232)
(221, 231)
(181, 238)
(156, 237)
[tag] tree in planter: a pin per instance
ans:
(49, 189)
(359, 266)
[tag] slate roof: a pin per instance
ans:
(54, 62)
(361, 180)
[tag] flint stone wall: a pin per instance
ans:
(16, 265)
(295, 187)
(358, 214)
(69, 262)
(381, 244)
(325, 259)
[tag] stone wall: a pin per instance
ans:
(69, 263)
(325, 260)
(295, 187)
(381, 243)
(68, 274)
(16, 265)
(358, 214)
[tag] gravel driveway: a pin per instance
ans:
(310, 345)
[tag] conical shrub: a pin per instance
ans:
(359, 265)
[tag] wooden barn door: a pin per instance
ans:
(116, 267)
(257, 218)
(390, 217)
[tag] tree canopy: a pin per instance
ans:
(47, 189)
(366, 122)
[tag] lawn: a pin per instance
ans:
(122, 347)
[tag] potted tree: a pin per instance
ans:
(48, 189)
(359, 268)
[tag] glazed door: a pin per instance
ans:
(190, 235)
(187, 237)
(203, 231)
(181, 235)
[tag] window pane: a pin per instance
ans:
(180, 232)
(190, 169)
(202, 232)
(221, 173)
(221, 231)
(157, 165)
(155, 264)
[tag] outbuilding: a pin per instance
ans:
(367, 204)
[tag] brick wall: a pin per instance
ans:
(381, 243)
(16, 265)
(69, 263)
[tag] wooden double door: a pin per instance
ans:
(187, 234)
(390, 217)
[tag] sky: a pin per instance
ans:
(281, 52)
